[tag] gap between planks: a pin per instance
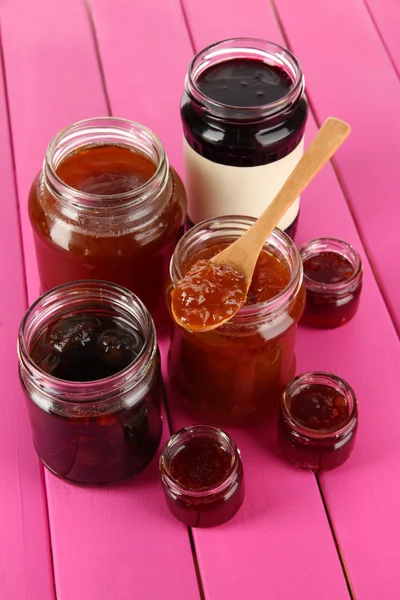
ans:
(382, 39)
(164, 394)
(25, 282)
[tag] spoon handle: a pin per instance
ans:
(246, 249)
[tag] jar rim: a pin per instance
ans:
(320, 378)
(132, 131)
(196, 432)
(99, 391)
(278, 239)
(243, 46)
(337, 246)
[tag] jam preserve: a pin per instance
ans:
(208, 294)
(202, 476)
(90, 367)
(243, 112)
(317, 421)
(333, 279)
(107, 206)
(236, 373)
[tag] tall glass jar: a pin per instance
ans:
(107, 205)
(236, 373)
(92, 431)
(244, 113)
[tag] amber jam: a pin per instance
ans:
(107, 206)
(207, 295)
(317, 421)
(243, 112)
(333, 279)
(236, 373)
(90, 367)
(202, 476)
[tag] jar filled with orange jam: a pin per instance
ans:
(236, 373)
(107, 205)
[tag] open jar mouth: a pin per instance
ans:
(251, 48)
(105, 131)
(228, 229)
(98, 297)
(319, 378)
(345, 250)
(178, 440)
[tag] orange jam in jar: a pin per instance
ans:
(236, 373)
(107, 206)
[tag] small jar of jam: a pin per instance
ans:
(333, 279)
(89, 365)
(244, 112)
(202, 476)
(236, 373)
(317, 421)
(107, 206)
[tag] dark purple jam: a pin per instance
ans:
(248, 140)
(245, 82)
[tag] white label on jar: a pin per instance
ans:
(214, 190)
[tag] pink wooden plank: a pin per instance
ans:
(350, 74)
(145, 71)
(386, 16)
(25, 560)
(229, 566)
(106, 543)
(368, 535)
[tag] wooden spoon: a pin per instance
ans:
(242, 255)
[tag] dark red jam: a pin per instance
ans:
(202, 476)
(333, 280)
(317, 422)
(200, 464)
(88, 445)
(328, 268)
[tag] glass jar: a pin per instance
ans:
(333, 279)
(318, 432)
(107, 206)
(244, 112)
(91, 431)
(236, 373)
(202, 476)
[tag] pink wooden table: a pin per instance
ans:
(298, 536)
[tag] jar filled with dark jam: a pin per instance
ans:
(236, 373)
(202, 476)
(107, 206)
(89, 365)
(333, 279)
(243, 112)
(317, 421)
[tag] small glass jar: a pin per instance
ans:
(328, 407)
(333, 279)
(204, 487)
(93, 432)
(107, 206)
(239, 150)
(236, 373)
